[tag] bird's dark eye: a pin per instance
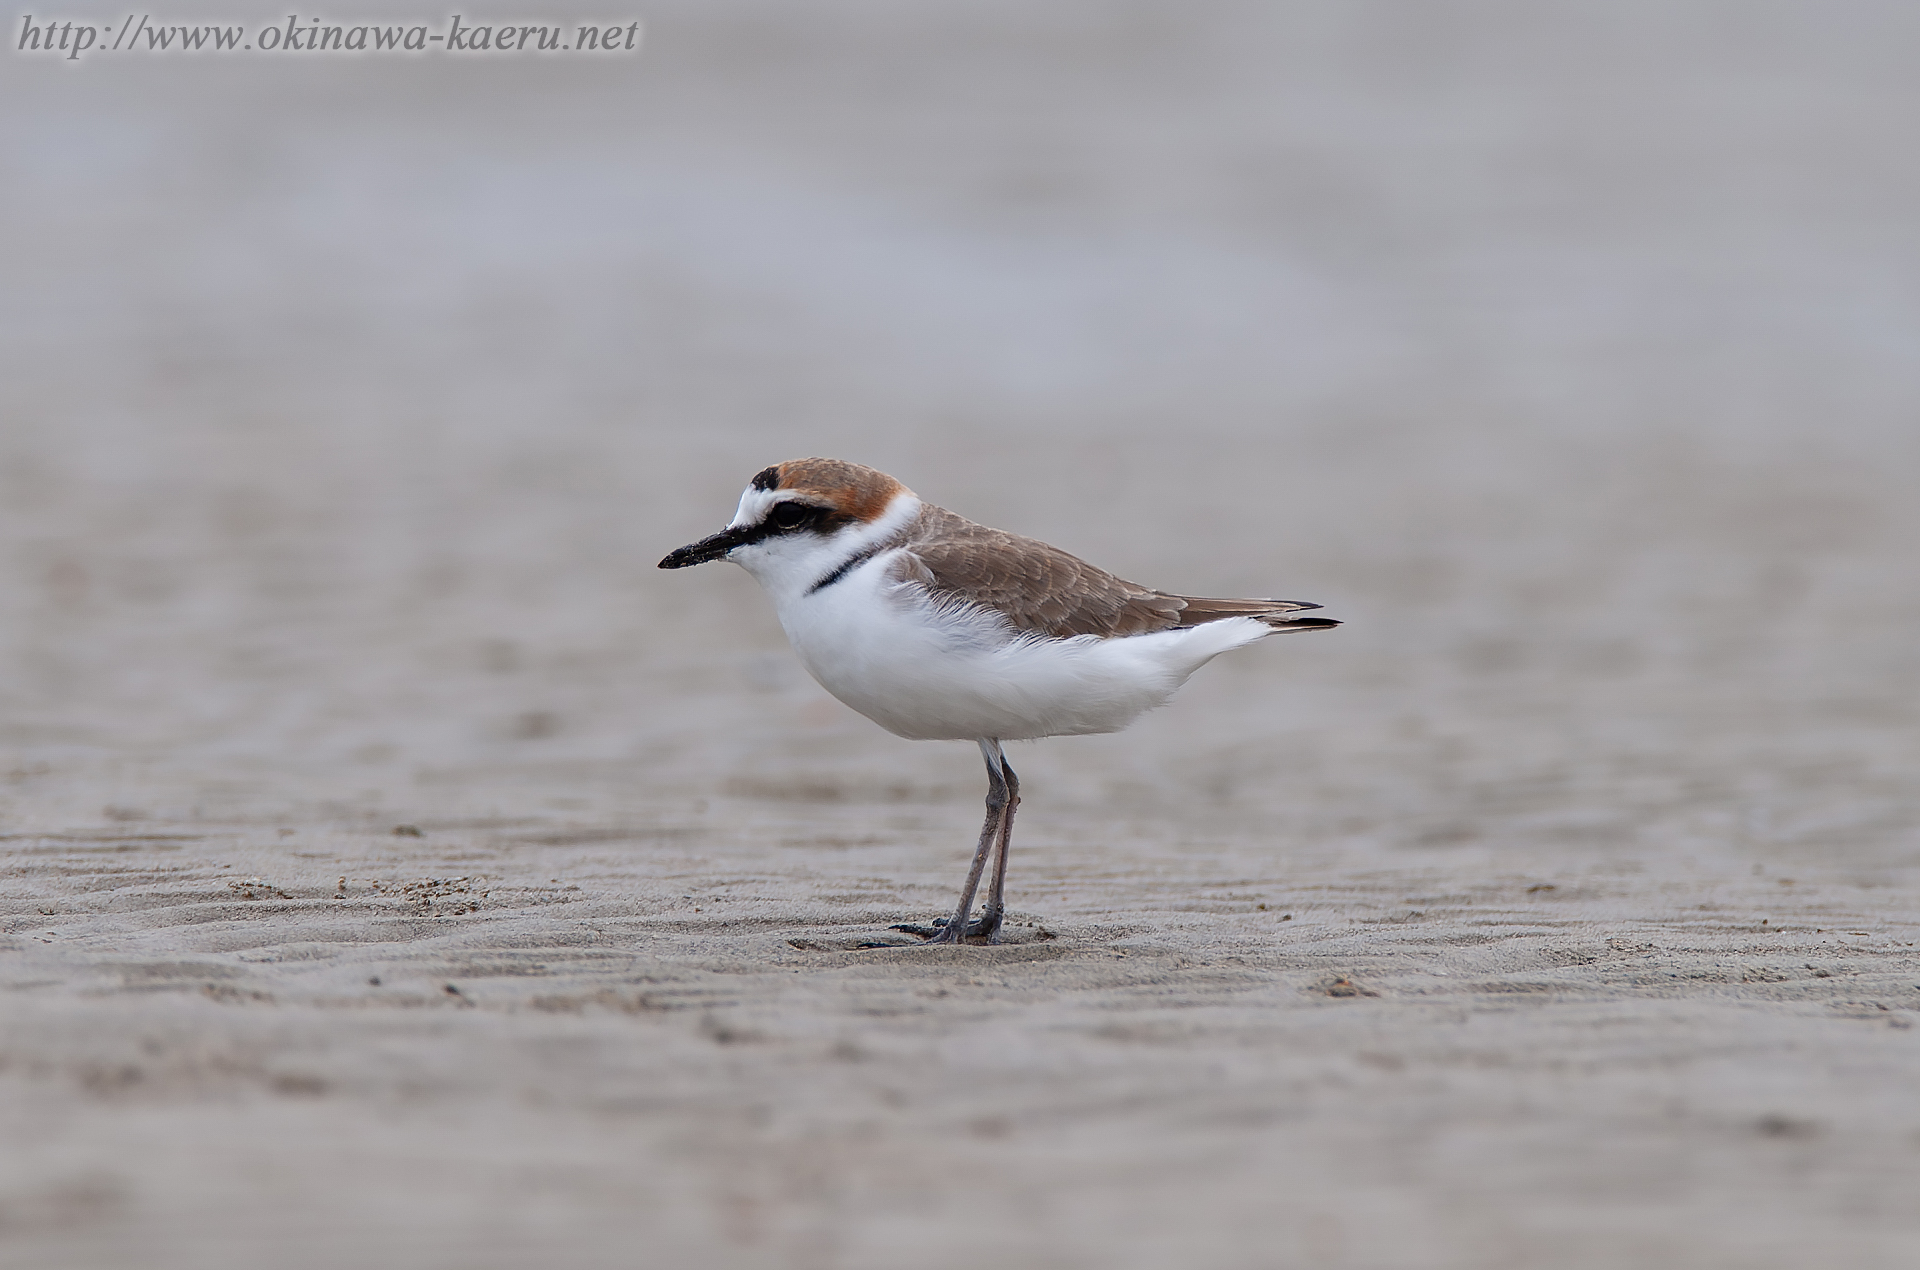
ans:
(791, 515)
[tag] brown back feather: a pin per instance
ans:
(1045, 590)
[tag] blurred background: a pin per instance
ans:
(1570, 354)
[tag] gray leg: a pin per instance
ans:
(989, 923)
(955, 929)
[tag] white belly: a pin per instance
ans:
(931, 673)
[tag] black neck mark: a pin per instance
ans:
(847, 566)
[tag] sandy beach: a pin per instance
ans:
(397, 869)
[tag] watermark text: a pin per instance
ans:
(140, 33)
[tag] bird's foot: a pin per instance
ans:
(982, 929)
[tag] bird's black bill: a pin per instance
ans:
(713, 548)
(787, 517)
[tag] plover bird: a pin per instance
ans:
(939, 629)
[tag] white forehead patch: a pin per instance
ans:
(753, 506)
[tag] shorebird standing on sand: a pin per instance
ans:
(939, 629)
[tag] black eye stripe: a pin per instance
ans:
(790, 515)
(774, 524)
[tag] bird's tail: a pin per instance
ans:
(1198, 610)
(1283, 624)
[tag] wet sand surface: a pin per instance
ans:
(399, 869)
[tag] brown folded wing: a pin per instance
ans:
(1045, 590)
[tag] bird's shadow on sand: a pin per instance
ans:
(1020, 944)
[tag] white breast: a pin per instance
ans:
(930, 671)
